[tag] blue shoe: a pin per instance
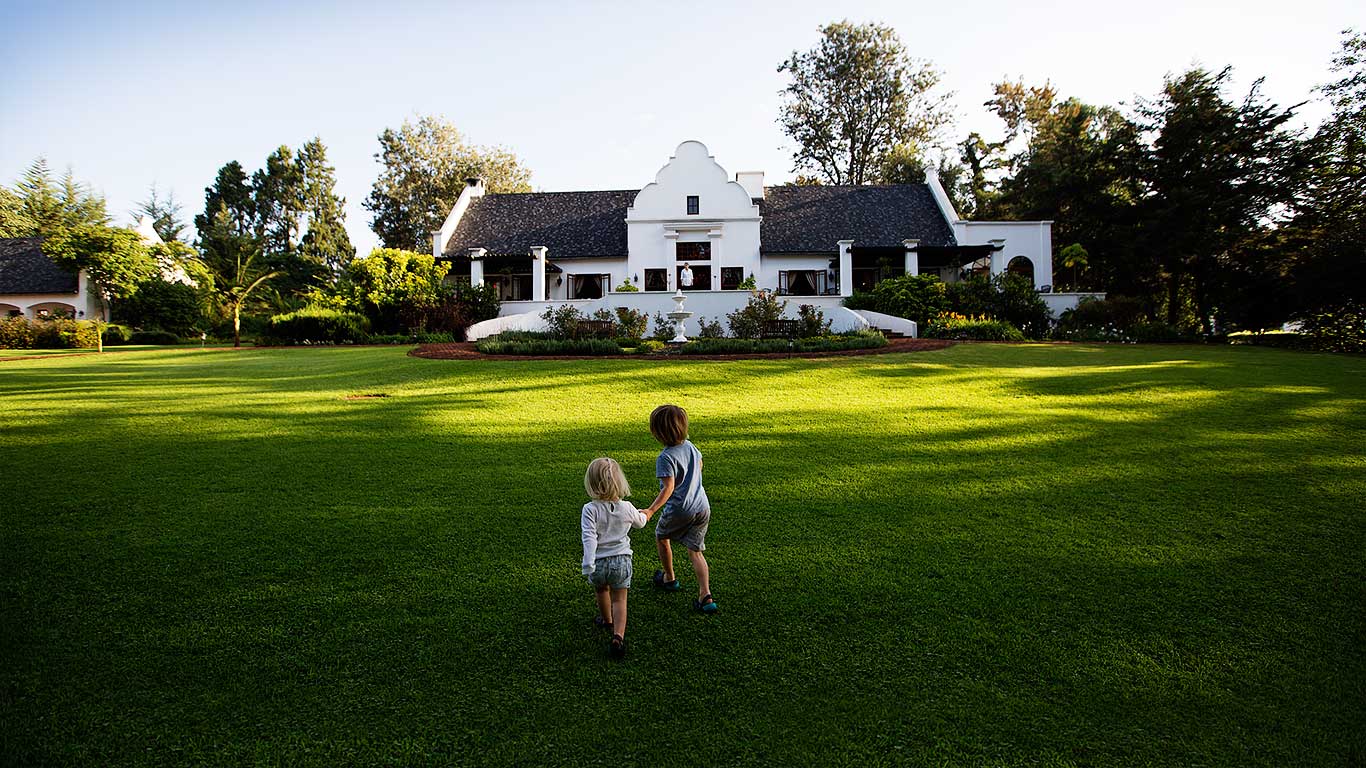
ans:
(706, 605)
(667, 586)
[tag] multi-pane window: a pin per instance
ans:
(693, 251)
(731, 277)
(692, 205)
(656, 279)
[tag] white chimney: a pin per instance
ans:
(753, 182)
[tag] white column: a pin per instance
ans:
(538, 257)
(477, 266)
(912, 256)
(714, 237)
(998, 256)
(846, 268)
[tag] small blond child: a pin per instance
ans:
(687, 511)
(606, 523)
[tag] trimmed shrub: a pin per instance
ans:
(626, 287)
(496, 345)
(16, 333)
(317, 326)
(813, 321)
(709, 329)
(748, 321)
(56, 334)
(954, 326)
(562, 322)
(914, 297)
(860, 340)
(153, 337)
(632, 322)
(663, 328)
(650, 347)
(433, 338)
(1017, 303)
(115, 335)
(973, 297)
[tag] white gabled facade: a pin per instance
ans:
(695, 212)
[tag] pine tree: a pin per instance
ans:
(325, 243)
(165, 213)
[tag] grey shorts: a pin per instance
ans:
(612, 572)
(688, 530)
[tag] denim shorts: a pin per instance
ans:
(613, 572)
(690, 530)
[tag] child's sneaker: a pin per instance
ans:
(667, 586)
(706, 605)
(617, 648)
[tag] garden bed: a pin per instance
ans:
(467, 351)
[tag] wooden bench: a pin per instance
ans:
(595, 329)
(781, 329)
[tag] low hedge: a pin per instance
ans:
(22, 333)
(498, 345)
(864, 340)
(971, 329)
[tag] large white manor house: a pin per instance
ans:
(817, 244)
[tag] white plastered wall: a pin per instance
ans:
(658, 219)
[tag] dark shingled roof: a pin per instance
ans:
(573, 225)
(805, 219)
(577, 225)
(24, 269)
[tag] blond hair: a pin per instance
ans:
(669, 424)
(605, 481)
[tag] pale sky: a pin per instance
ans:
(588, 95)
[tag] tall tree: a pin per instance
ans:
(42, 207)
(856, 97)
(277, 194)
(165, 213)
(326, 242)
(1330, 220)
(1216, 175)
(1079, 167)
(230, 193)
(425, 165)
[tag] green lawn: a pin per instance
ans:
(1033, 555)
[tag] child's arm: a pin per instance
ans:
(666, 489)
(589, 526)
(638, 518)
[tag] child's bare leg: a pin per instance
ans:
(604, 603)
(619, 611)
(699, 566)
(666, 558)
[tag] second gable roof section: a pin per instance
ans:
(572, 225)
(813, 219)
(24, 268)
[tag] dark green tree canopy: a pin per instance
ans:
(425, 165)
(856, 97)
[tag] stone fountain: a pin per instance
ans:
(679, 316)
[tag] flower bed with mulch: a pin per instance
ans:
(466, 351)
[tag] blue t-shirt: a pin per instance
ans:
(683, 462)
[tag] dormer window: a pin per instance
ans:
(692, 205)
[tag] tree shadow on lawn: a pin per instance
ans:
(1009, 589)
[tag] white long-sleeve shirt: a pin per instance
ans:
(606, 527)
